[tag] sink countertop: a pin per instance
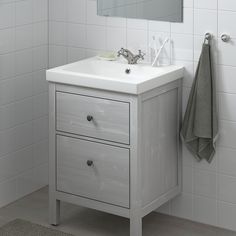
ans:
(111, 75)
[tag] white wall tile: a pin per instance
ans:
(205, 183)
(23, 111)
(23, 160)
(7, 192)
(76, 54)
(7, 167)
(159, 26)
(227, 106)
(227, 134)
(227, 189)
(7, 40)
(7, 116)
(24, 12)
(7, 66)
(182, 47)
(116, 38)
(182, 206)
(23, 135)
(57, 10)
(23, 51)
(7, 91)
(7, 15)
(40, 10)
(227, 161)
(24, 37)
(187, 26)
(91, 14)
(40, 84)
(7, 141)
(205, 21)
(40, 33)
(24, 86)
(205, 4)
(227, 214)
(188, 180)
(76, 11)
(227, 53)
(25, 184)
(227, 5)
(40, 153)
(40, 105)
(225, 21)
(116, 22)
(226, 79)
(205, 210)
(58, 33)
(137, 24)
(40, 58)
(77, 35)
(40, 176)
(57, 56)
(40, 129)
(188, 3)
(96, 37)
(24, 61)
(141, 43)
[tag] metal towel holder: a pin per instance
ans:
(208, 37)
(224, 37)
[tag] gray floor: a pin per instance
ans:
(84, 222)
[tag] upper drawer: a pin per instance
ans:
(93, 117)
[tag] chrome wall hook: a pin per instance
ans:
(225, 38)
(208, 37)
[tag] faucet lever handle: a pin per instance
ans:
(141, 54)
(120, 52)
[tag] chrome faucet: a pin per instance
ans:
(130, 57)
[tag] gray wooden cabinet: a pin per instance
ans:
(114, 152)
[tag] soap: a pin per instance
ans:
(107, 56)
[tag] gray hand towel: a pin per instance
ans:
(200, 126)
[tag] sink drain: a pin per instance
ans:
(127, 71)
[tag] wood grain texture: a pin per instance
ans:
(107, 180)
(110, 118)
(54, 203)
(159, 145)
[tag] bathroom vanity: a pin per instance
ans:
(114, 138)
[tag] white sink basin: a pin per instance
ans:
(107, 75)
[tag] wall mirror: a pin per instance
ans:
(158, 10)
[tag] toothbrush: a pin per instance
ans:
(160, 50)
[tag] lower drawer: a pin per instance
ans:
(93, 170)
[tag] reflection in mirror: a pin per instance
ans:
(159, 10)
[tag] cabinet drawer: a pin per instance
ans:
(93, 170)
(93, 117)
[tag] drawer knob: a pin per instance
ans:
(90, 163)
(89, 118)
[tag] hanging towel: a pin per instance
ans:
(200, 126)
